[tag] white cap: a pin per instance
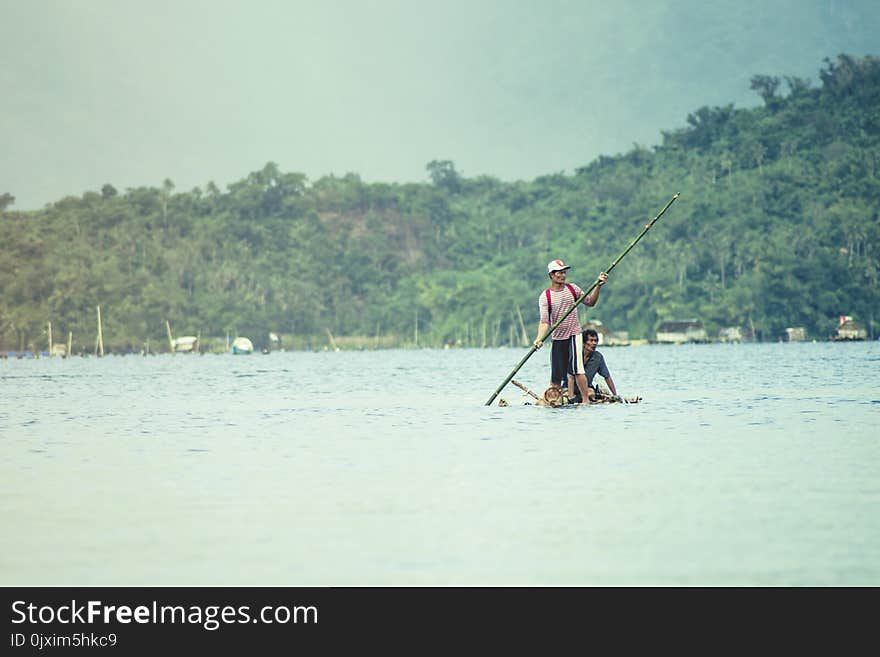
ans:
(556, 265)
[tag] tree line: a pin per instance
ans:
(777, 226)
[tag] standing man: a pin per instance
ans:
(566, 356)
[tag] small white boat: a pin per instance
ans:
(242, 346)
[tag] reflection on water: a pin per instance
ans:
(744, 464)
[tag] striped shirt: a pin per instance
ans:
(561, 301)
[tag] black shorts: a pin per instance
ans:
(566, 358)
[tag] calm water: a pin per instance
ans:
(744, 464)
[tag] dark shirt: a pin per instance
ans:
(595, 365)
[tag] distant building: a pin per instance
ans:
(796, 334)
(606, 336)
(681, 330)
(849, 329)
(735, 334)
(620, 338)
(185, 344)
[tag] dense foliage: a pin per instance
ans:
(777, 226)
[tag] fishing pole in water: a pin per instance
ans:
(582, 297)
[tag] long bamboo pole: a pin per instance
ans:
(533, 348)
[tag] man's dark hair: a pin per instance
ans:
(589, 333)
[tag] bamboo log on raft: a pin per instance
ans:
(524, 388)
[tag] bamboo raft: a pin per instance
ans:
(554, 397)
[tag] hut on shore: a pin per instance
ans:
(607, 337)
(679, 331)
(735, 334)
(849, 329)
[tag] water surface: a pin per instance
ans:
(744, 465)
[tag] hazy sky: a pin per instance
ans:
(131, 92)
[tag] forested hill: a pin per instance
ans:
(777, 226)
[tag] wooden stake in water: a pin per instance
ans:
(332, 340)
(525, 334)
(533, 348)
(50, 340)
(99, 349)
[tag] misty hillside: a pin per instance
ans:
(777, 226)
